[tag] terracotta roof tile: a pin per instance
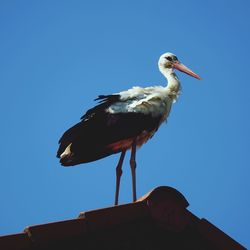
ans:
(15, 242)
(112, 216)
(214, 234)
(157, 219)
(165, 193)
(57, 230)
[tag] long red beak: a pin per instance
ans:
(183, 68)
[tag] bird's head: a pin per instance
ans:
(168, 62)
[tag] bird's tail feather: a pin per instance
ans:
(88, 155)
(67, 160)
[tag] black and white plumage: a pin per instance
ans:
(122, 121)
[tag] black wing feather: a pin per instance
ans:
(104, 102)
(99, 128)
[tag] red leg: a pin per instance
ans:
(133, 167)
(118, 176)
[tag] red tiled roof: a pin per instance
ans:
(159, 217)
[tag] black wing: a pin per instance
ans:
(98, 129)
(104, 102)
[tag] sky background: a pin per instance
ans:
(57, 56)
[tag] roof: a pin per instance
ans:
(158, 220)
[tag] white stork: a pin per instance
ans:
(123, 121)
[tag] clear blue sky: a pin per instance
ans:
(57, 56)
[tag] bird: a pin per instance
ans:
(123, 121)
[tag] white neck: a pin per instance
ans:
(173, 83)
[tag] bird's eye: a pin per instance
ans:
(169, 58)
